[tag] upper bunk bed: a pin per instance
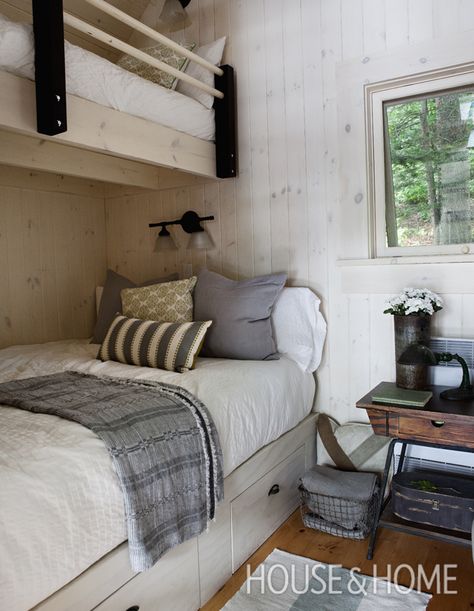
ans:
(108, 110)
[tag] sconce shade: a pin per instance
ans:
(200, 240)
(173, 16)
(164, 241)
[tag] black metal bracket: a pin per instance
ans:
(50, 70)
(190, 222)
(226, 125)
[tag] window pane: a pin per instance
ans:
(429, 170)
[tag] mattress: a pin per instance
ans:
(99, 80)
(62, 508)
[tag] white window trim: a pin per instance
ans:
(375, 95)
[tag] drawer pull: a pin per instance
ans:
(437, 423)
(134, 608)
(275, 489)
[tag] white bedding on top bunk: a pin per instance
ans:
(61, 505)
(95, 78)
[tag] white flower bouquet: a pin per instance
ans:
(414, 301)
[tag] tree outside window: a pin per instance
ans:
(429, 169)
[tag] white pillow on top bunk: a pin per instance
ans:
(213, 53)
(17, 48)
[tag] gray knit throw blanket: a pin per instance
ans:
(163, 445)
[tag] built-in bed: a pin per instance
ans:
(108, 110)
(62, 530)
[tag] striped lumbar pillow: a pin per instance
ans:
(146, 343)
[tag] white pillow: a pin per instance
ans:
(213, 53)
(17, 48)
(299, 328)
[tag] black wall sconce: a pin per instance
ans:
(190, 223)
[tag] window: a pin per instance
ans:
(421, 155)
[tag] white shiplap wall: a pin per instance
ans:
(282, 213)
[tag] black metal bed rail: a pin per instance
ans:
(50, 69)
(226, 125)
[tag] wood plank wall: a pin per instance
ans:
(20, 10)
(281, 213)
(52, 256)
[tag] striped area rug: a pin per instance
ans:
(284, 582)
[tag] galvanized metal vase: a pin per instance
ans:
(409, 329)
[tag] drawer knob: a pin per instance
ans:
(134, 608)
(275, 489)
(437, 423)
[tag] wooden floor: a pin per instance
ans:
(392, 549)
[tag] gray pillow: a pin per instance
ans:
(240, 312)
(111, 302)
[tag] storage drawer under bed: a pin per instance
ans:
(260, 509)
(176, 571)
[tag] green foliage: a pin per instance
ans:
(425, 485)
(424, 134)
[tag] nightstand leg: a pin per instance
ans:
(401, 460)
(380, 504)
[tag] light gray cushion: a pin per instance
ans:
(240, 311)
(353, 485)
(111, 302)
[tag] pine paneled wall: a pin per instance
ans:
(52, 256)
(282, 213)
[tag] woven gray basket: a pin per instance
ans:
(338, 516)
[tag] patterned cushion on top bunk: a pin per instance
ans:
(162, 53)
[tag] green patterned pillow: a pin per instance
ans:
(165, 302)
(147, 343)
(164, 54)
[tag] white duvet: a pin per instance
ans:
(61, 506)
(95, 78)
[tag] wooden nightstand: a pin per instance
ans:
(439, 424)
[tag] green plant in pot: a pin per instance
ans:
(412, 310)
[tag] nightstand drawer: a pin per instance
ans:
(448, 432)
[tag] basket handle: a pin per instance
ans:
(337, 454)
